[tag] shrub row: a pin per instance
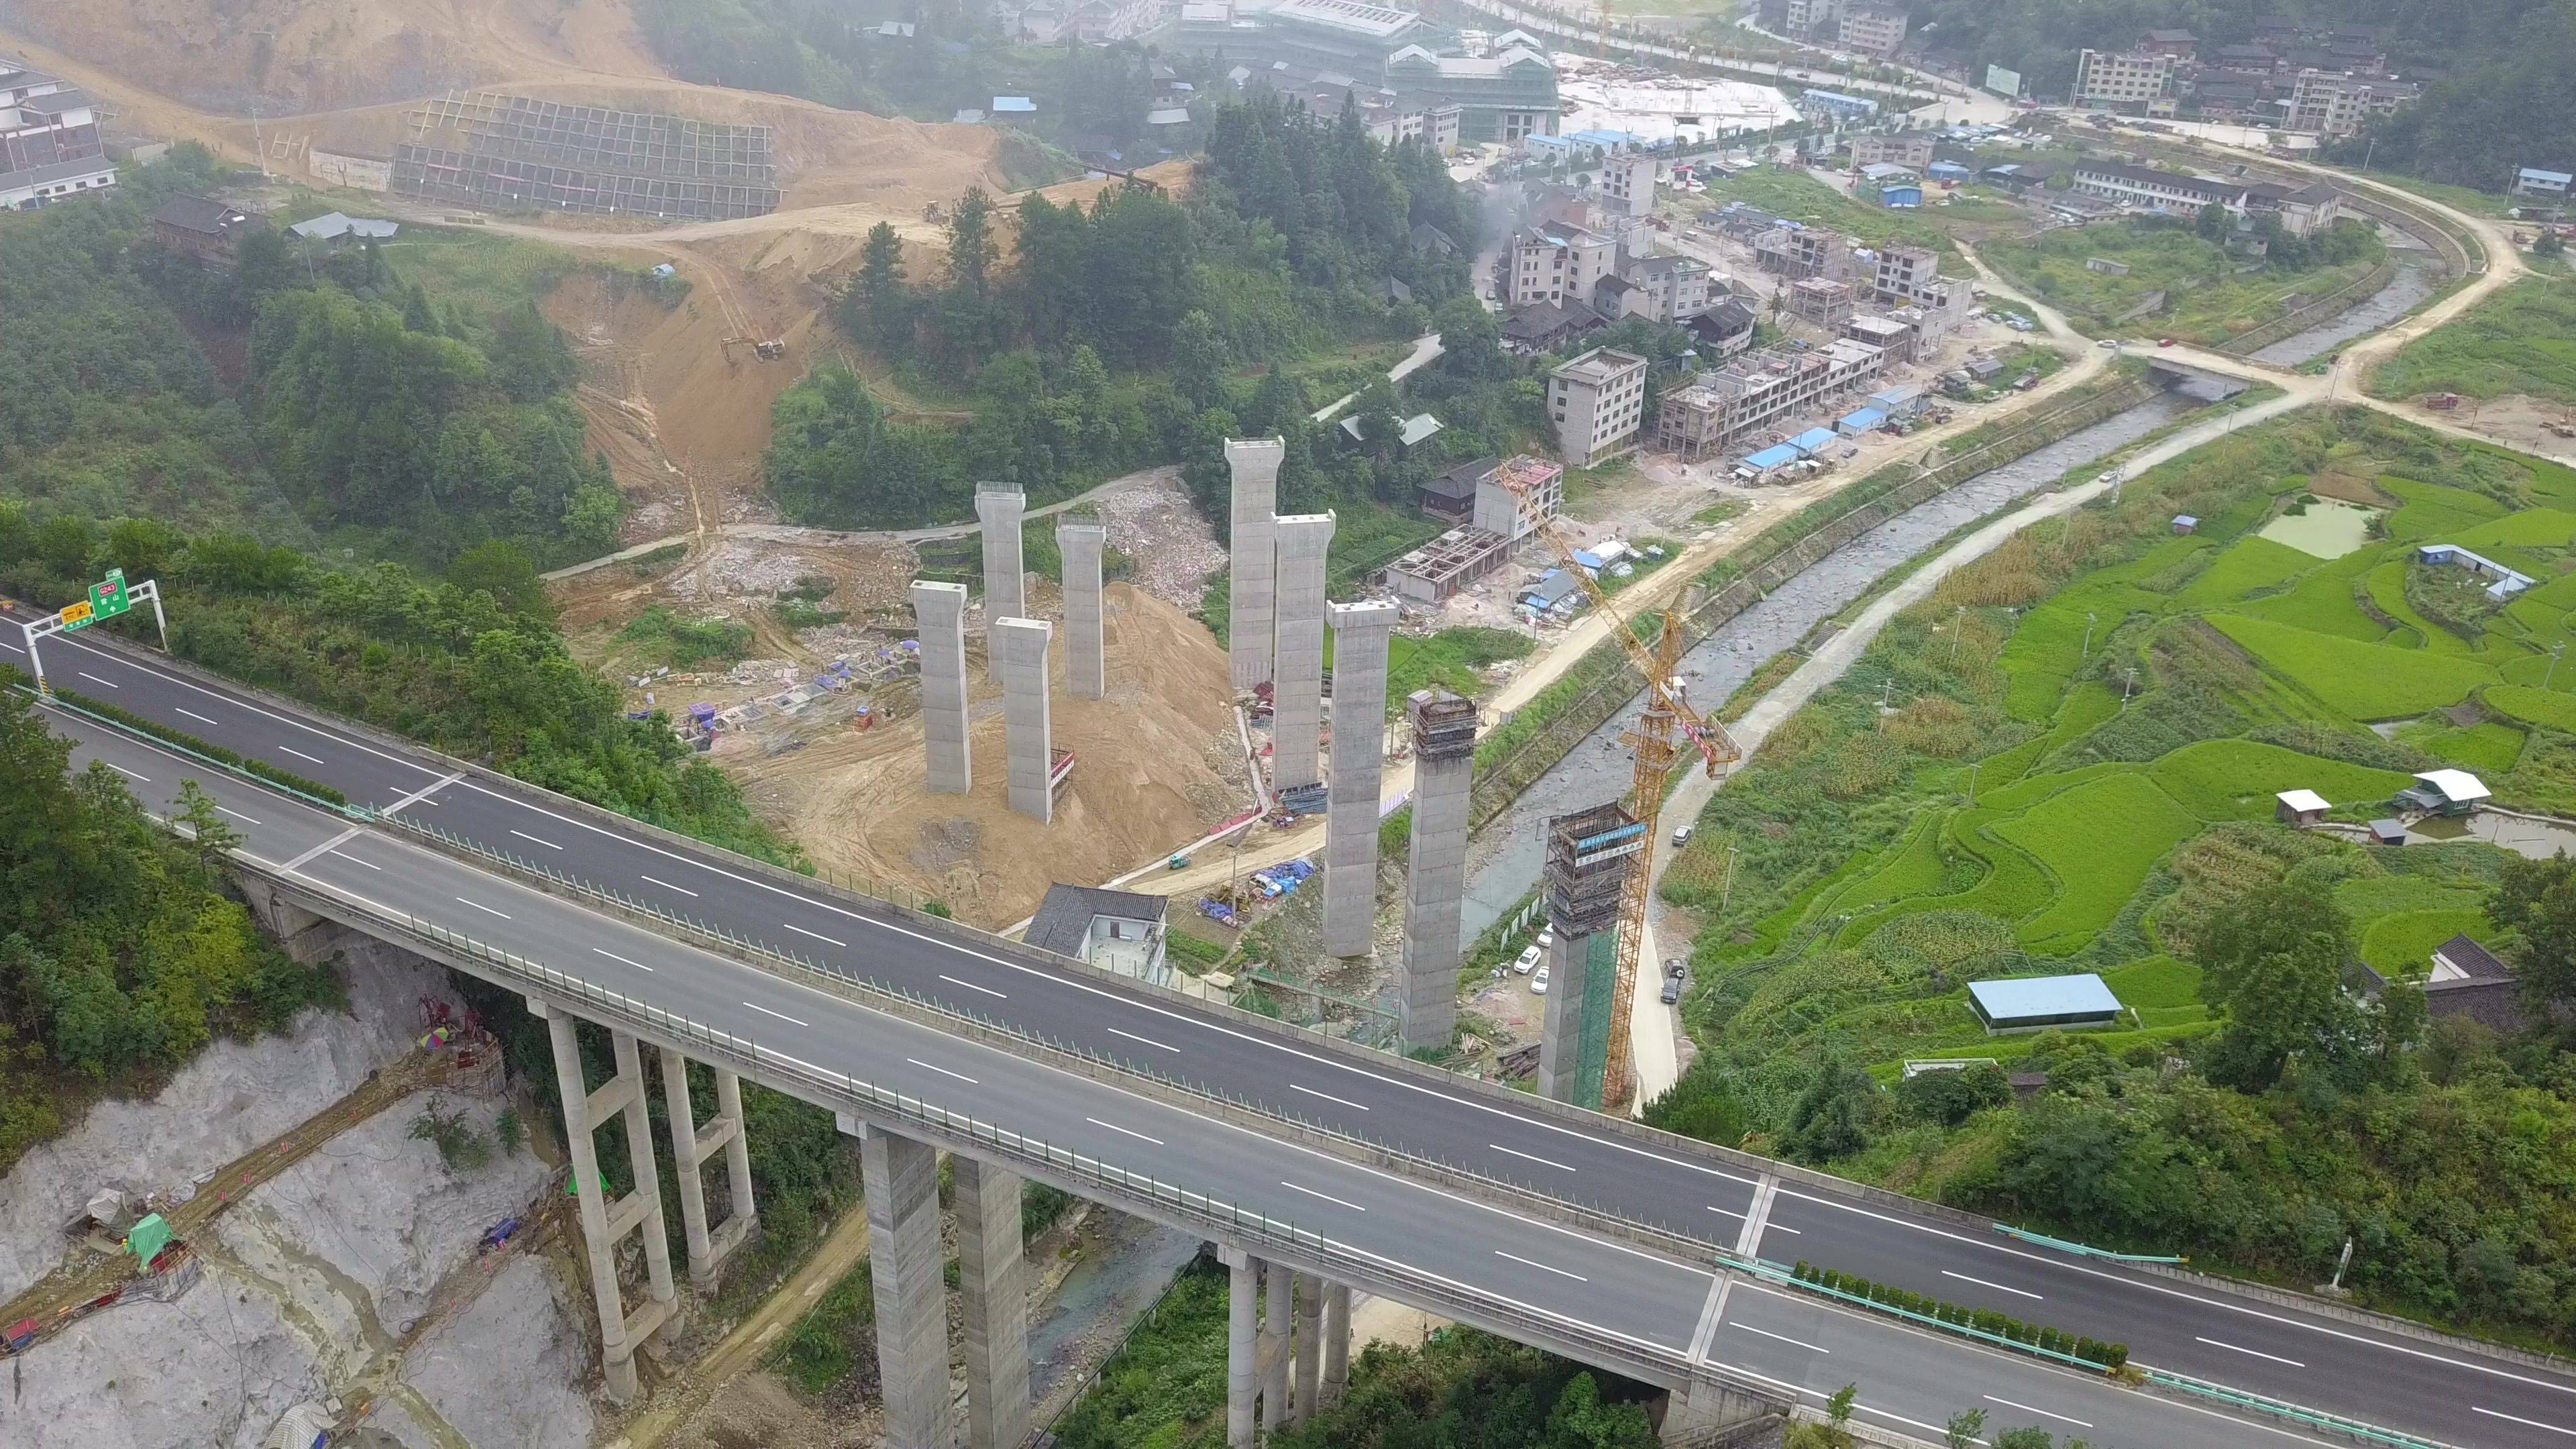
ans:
(2110, 1356)
(275, 776)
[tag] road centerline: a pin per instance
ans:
(1541, 1161)
(1542, 1267)
(1998, 1287)
(1327, 1096)
(1326, 1196)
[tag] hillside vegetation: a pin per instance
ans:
(2087, 730)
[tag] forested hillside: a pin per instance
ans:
(2496, 98)
(363, 414)
(1141, 329)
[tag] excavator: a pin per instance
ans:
(1667, 712)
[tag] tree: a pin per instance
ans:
(502, 569)
(1831, 1118)
(2275, 964)
(1961, 1432)
(210, 837)
(877, 307)
(529, 361)
(2214, 221)
(2547, 244)
(416, 314)
(1200, 360)
(2536, 899)
(970, 243)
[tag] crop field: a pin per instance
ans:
(2087, 831)
(2207, 296)
(2521, 340)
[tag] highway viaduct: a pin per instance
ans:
(1317, 1168)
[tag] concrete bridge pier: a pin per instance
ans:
(901, 1180)
(604, 1223)
(995, 1297)
(1337, 1345)
(999, 507)
(1310, 1348)
(691, 1145)
(1277, 1293)
(1242, 1350)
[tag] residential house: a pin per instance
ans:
(1118, 931)
(1723, 330)
(1556, 264)
(2132, 82)
(2303, 210)
(1909, 149)
(203, 228)
(50, 147)
(1547, 326)
(2335, 103)
(1516, 490)
(2176, 43)
(2149, 187)
(1872, 29)
(1597, 402)
(1760, 390)
(1450, 495)
(2548, 185)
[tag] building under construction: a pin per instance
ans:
(513, 153)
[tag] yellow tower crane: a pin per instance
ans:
(1652, 740)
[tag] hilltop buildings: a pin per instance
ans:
(49, 141)
(1395, 58)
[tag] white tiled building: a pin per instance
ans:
(1597, 402)
(49, 142)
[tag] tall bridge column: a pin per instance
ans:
(1589, 855)
(995, 1298)
(691, 1146)
(1242, 1353)
(603, 1223)
(1274, 1346)
(999, 507)
(901, 1179)
(1310, 1347)
(1360, 633)
(1337, 1344)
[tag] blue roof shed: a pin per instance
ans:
(2032, 1003)
(1813, 440)
(1900, 196)
(1855, 424)
(1946, 171)
(1779, 455)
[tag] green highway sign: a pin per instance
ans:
(107, 597)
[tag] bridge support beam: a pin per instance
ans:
(1360, 633)
(995, 1299)
(603, 1223)
(1337, 1345)
(1435, 878)
(901, 1179)
(1242, 1352)
(1310, 1346)
(1252, 569)
(1297, 651)
(691, 1145)
(999, 507)
(1275, 1313)
(1080, 542)
(939, 618)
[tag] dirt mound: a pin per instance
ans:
(289, 56)
(1156, 764)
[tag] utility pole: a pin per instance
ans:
(1726, 888)
(2551, 672)
(2088, 635)
(1958, 626)
(2128, 679)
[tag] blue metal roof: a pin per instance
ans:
(1779, 456)
(1950, 169)
(1812, 439)
(1863, 420)
(2029, 997)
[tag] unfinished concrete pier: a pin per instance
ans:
(1360, 634)
(1297, 663)
(939, 618)
(1086, 652)
(1252, 572)
(1000, 507)
(1589, 855)
(1027, 725)
(1435, 877)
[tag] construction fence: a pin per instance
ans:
(515, 153)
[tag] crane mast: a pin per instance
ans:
(1652, 742)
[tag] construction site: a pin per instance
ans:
(513, 153)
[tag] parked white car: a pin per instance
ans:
(1529, 958)
(1538, 983)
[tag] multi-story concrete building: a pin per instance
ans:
(2332, 103)
(2136, 82)
(1555, 264)
(49, 141)
(1760, 390)
(1517, 489)
(2303, 210)
(1628, 183)
(1806, 17)
(2180, 44)
(2147, 186)
(1911, 150)
(1795, 251)
(1597, 402)
(1895, 336)
(1817, 302)
(1872, 29)
(1661, 289)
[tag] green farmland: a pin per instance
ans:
(2075, 769)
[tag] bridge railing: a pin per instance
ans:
(1243, 1227)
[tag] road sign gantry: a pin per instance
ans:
(108, 598)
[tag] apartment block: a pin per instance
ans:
(1806, 17)
(1628, 182)
(1912, 150)
(1761, 390)
(2139, 81)
(1795, 251)
(2332, 103)
(1817, 302)
(2147, 186)
(1557, 264)
(1517, 488)
(1597, 402)
(1872, 29)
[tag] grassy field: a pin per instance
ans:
(2012, 815)
(2522, 340)
(1799, 196)
(2207, 298)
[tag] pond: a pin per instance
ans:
(2328, 528)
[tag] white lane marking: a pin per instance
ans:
(421, 795)
(539, 839)
(1059, 978)
(2027, 1409)
(943, 1071)
(2253, 1352)
(1767, 1227)
(1114, 1127)
(1982, 1283)
(971, 986)
(192, 714)
(1326, 1196)
(237, 815)
(2247, 1310)
(1541, 1161)
(2518, 1419)
(12, 648)
(94, 679)
(1784, 1338)
(344, 855)
(478, 905)
(765, 1011)
(666, 885)
(1327, 1096)
(1542, 1267)
(1758, 1218)
(1147, 1040)
(629, 960)
(299, 754)
(129, 774)
(283, 719)
(817, 935)
(332, 844)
